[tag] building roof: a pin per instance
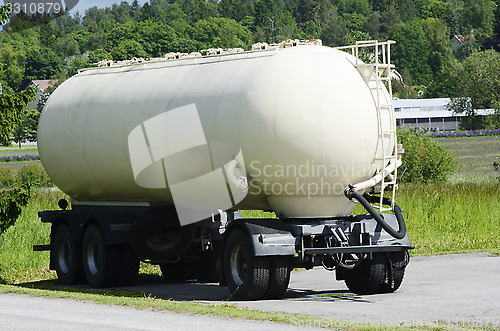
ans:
(428, 108)
(42, 84)
(404, 105)
(465, 38)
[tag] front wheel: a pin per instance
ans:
(247, 275)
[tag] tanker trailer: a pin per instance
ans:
(159, 156)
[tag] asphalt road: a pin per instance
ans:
(23, 312)
(458, 289)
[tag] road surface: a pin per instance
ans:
(458, 289)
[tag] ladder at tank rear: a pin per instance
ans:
(377, 67)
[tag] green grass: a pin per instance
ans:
(336, 295)
(452, 218)
(18, 262)
(475, 156)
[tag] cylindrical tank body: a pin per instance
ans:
(304, 117)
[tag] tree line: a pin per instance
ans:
(423, 30)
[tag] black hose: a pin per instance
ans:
(366, 200)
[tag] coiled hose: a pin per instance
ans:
(366, 200)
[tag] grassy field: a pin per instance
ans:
(475, 156)
(18, 262)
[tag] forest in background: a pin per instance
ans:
(423, 29)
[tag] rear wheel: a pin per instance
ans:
(366, 278)
(99, 259)
(67, 257)
(279, 276)
(396, 265)
(247, 275)
(382, 274)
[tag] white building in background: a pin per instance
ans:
(427, 114)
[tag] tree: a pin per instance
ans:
(479, 87)
(438, 35)
(496, 25)
(11, 71)
(478, 15)
(411, 50)
(43, 63)
(12, 201)
(11, 110)
(219, 32)
(445, 82)
(26, 129)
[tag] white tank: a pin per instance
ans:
(304, 117)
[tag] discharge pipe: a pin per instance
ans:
(366, 200)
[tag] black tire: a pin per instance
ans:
(128, 266)
(367, 278)
(279, 276)
(247, 275)
(99, 259)
(67, 257)
(180, 271)
(396, 265)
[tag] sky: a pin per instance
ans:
(85, 4)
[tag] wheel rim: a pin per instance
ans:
(238, 264)
(93, 256)
(64, 256)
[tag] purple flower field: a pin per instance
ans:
(16, 158)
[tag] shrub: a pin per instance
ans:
(11, 203)
(424, 159)
(7, 177)
(34, 174)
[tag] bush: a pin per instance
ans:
(7, 177)
(34, 174)
(11, 203)
(424, 159)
